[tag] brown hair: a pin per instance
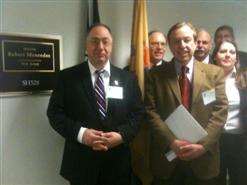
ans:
(179, 25)
(217, 48)
(241, 77)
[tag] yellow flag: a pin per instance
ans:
(140, 59)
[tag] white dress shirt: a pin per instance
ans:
(233, 123)
(190, 65)
(206, 60)
(106, 79)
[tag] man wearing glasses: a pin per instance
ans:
(97, 108)
(157, 47)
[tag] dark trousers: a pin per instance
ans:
(233, 159)
(102, 182)
(135, 181)
(183, 175)
(106, 179)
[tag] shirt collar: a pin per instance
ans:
(190, 65)
(206, 60)
(106, 69)
(233, 73)
(159, 63)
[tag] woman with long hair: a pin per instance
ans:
(233, 161)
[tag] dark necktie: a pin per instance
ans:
(185, 87)
(100, 94)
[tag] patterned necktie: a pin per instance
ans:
(185, 87)
(100, 94)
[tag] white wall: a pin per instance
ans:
(162, 14)
(30, 151)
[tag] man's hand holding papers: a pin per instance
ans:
(188, 132)
(185, 150)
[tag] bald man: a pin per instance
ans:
(157, 47)
(204, 46)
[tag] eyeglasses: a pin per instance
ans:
(96, 42)
(156, 44)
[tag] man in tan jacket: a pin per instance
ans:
(196, 163)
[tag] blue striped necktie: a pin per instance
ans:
(100, 94)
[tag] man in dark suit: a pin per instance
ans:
(96, 137)
(196, 163)
(204, 46)
(225, 32)
(157, 47)
(140, 145)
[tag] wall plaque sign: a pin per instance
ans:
(29, 63)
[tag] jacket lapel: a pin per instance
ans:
(173, 80)
(114, 81)
(88, 88)
(198, 79)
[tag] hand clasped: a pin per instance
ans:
(101, 141)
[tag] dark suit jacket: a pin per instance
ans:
(73, 105)
(211, 61)
(242, 58)
(243, 109)
(162, 96)
(127, 68)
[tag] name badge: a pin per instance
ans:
(208, 96)
(115, 92)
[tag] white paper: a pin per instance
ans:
(115, 92)
(209, 96)
(170, 155)
(184, 126)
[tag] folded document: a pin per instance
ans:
(184, 126)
